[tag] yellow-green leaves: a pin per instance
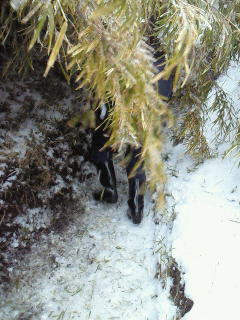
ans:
(51, 24)
(38, 30)
(32, 12)
(56, 48)
(103, 44)
(105, 9)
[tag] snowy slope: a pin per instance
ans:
(207, 228)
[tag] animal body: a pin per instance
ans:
(102, 158)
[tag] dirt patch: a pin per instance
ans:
(177, 285)
(177, 290)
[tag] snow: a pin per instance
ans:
(207, 228)
(207, 237)
(108, 280)
(34, 219)
(229, 82)
(101, 266)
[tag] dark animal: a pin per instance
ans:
(102, 159)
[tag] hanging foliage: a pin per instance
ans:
(103, 45)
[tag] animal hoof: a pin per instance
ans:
(136, 217)
(106, 195)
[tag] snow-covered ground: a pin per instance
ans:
(207, 229)
(103, 267)
(207, 236)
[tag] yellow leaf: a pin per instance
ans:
(51, 26)
(56, 48)
(105, 9)
(32, 12)
(37, 31)
(93, 45)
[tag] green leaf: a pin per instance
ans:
(38, 30)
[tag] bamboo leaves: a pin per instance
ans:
(107, 8)
(51, 24)
(33, 11)
(56, 48)
(103, 44)
(38, 30)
